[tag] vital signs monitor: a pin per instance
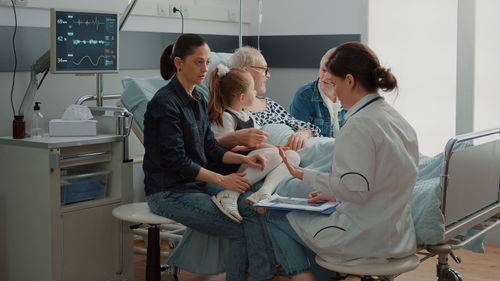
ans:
(83, 41)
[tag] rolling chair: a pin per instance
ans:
(384, 271)
(139, 214)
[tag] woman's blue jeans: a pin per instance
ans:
(293, 254)
(250, 246)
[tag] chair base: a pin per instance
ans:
(139, 213)
(386, 271)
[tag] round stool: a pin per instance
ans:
(139, 213)
(385, 270)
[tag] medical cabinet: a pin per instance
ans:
(56, 200)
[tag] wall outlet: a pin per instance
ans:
(162, 9)
(21, 3)
(232, 15)
(5, 3)
(18, 3)
(171, 9)
(185, 11)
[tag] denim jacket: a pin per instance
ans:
(308, 106)
(177, 140)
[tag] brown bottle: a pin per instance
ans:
(18, 127)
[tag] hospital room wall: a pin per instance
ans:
(425, 59)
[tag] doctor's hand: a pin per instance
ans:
(294, 170)
(298, 139)
(316, 196)
(251, 137)
(257, 160)
(236, 182)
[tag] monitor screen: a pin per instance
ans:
(83, 42)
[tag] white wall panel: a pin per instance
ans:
(417, 39)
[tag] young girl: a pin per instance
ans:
(230, 92)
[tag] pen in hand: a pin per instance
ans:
(317, 196)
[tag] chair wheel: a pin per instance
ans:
(449, 275)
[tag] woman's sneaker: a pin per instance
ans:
(227, 202)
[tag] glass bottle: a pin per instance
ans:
(37, 122)
(18, 127)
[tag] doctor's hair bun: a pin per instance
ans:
(384, 79)
(361, 62)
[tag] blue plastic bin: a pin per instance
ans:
(78, 185)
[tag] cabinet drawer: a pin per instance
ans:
(82, 155)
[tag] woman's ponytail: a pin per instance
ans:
(167, 66)
(215, 99)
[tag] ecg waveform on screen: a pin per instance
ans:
(87, 22)
(90, 59)
(90, 42)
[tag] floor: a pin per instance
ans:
(474, 267)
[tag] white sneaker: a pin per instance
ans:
(227, 202)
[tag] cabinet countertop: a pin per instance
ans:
(57, 142)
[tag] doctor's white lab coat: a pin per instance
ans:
(374, 170)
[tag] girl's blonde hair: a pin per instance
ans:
(223, 88)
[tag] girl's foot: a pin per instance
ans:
(256, 197)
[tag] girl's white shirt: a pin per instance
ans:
(229, 124)
(374, 169)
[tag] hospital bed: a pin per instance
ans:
(454, 204)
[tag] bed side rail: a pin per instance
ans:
(470, 181)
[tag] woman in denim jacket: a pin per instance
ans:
(315, 103)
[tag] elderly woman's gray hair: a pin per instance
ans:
(242, 57)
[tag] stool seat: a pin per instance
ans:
(139, 213)
(393, 267)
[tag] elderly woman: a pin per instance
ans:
(265, 110)
(374, 169)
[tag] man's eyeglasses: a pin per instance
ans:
(265, 68)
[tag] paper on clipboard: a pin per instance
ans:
(296, 204)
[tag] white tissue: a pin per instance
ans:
(77, 112)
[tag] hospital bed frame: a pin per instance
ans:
(470, 183)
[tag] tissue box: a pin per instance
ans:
(72, 128)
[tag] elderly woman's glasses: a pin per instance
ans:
(265, 68)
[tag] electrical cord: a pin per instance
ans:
(15, 58)
(175, 10)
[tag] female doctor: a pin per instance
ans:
(374, 170)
